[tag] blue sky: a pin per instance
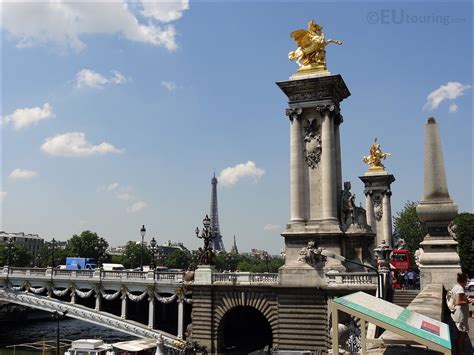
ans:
(127, 112)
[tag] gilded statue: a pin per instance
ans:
(311, 52)
(375, 157)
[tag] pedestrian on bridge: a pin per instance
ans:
(460, 315)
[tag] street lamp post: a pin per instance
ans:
(53, 249)
(332, 255)
(9, 250)
(153, 249)
(57, 317)
(142, 233)
(206, 254)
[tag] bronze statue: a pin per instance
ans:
(375, 157)
(311, 52)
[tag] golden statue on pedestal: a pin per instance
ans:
(375, 157)
(311, 52)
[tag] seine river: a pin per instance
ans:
(70, 329)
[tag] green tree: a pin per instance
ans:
(465, 236)
(19, 255)
(89, 245)
(410, 228)
(179, 259)
(132, 255)
(45, 255)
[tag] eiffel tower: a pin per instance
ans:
(218, 245)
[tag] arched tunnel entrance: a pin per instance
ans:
(244, 329)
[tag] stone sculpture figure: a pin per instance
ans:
(348, 203)
(375, 157)
(311, 52)
(311, 254)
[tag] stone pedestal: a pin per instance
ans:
(377, 204)
(439, 261)
(203, 274)
(315, 178)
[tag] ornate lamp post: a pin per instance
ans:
(153, 250)
(52, 247)
(100, 250)
(9, 251)
(142, 233)
(206, 254)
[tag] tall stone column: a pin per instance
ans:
(296, 166)
(439, 261)
(337, 143)
(180, 317)
(151, 311)
(369, 208)
(378, 206)
(328, 166)
(123, 311)
(387, 217)
(73, 296)
(97, 301)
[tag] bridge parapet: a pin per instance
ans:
(352, 279)
(29, 273)
(244, 278)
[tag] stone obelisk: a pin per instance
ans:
(439, 261)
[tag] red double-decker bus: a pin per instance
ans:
(399, 260)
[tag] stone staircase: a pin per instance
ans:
(404, 298)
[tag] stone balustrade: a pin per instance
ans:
(351, 279)
(244, 278)
(27, 273)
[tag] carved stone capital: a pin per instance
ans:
(387, 192)
(324, 110)
(293, 113)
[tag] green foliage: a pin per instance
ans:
(132, 255)
(178, 260)
(410, 228)
(19, 255)
(465, 236)
(45, 255)
(88, 245)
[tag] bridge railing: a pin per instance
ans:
(244, 278)
(91, 274)
(351, 279)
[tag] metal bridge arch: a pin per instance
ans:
(89, 315)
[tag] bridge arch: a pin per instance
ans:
(238, 313)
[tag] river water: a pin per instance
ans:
(70, 329)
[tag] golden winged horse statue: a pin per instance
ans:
(311, 52)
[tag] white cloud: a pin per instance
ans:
(124, 196)
(230, 176)
(113, 186)
(169, 85)
(271, 227)
(24, 117)
(65, 24)
(87, 78)
(449, 91)
(3, 195)
(22, 174)
(165, 10)
(137, 206)
(74, 144)
(453, 108)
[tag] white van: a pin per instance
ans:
(113, 267)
